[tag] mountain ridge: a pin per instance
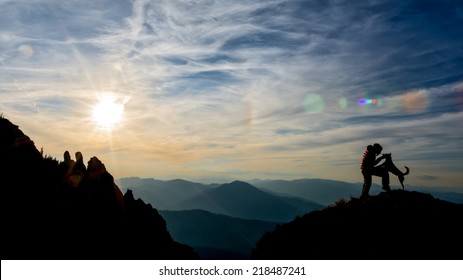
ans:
(242, 200)
(69, 210)
(392, 225)
(321, 191)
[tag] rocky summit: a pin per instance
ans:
(67, 209)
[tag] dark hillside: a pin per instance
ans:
(211, 233)
(69, 210)
(394, 225)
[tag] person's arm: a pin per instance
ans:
(379, 159)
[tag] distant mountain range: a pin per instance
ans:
(166, 195)
(223, 221)
(171, 195)
(319, 190)
(237, 199)
(215, 236)
(326, 191)
(218, 221)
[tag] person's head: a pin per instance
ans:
(377, 148)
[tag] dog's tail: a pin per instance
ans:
(408, 170)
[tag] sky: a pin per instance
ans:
(210, 90)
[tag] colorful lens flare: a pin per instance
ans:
(415, 101)
(366, 101)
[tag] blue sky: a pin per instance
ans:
(239, 89)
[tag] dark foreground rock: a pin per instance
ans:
(394, 225)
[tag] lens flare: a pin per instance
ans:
(26, 50)
(415, 101)
(314, 104)
(343, 103)
(366, 101)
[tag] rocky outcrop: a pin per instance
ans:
(147, 236)
(66, 210)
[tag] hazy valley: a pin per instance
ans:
(227, 219)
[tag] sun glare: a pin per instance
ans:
(107, 112)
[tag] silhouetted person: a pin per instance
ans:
(369, 168)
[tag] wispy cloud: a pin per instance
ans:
(429, 177)
(239, 88)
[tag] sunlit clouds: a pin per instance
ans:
(237, 89)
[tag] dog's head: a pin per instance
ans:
(387, 155)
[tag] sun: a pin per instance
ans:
(107, 112)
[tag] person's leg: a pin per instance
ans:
(381, 171)
(366, 183)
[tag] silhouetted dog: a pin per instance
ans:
(394, 170)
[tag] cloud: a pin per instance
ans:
(429, 177)
(279, 81)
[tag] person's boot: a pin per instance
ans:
(365, 191)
